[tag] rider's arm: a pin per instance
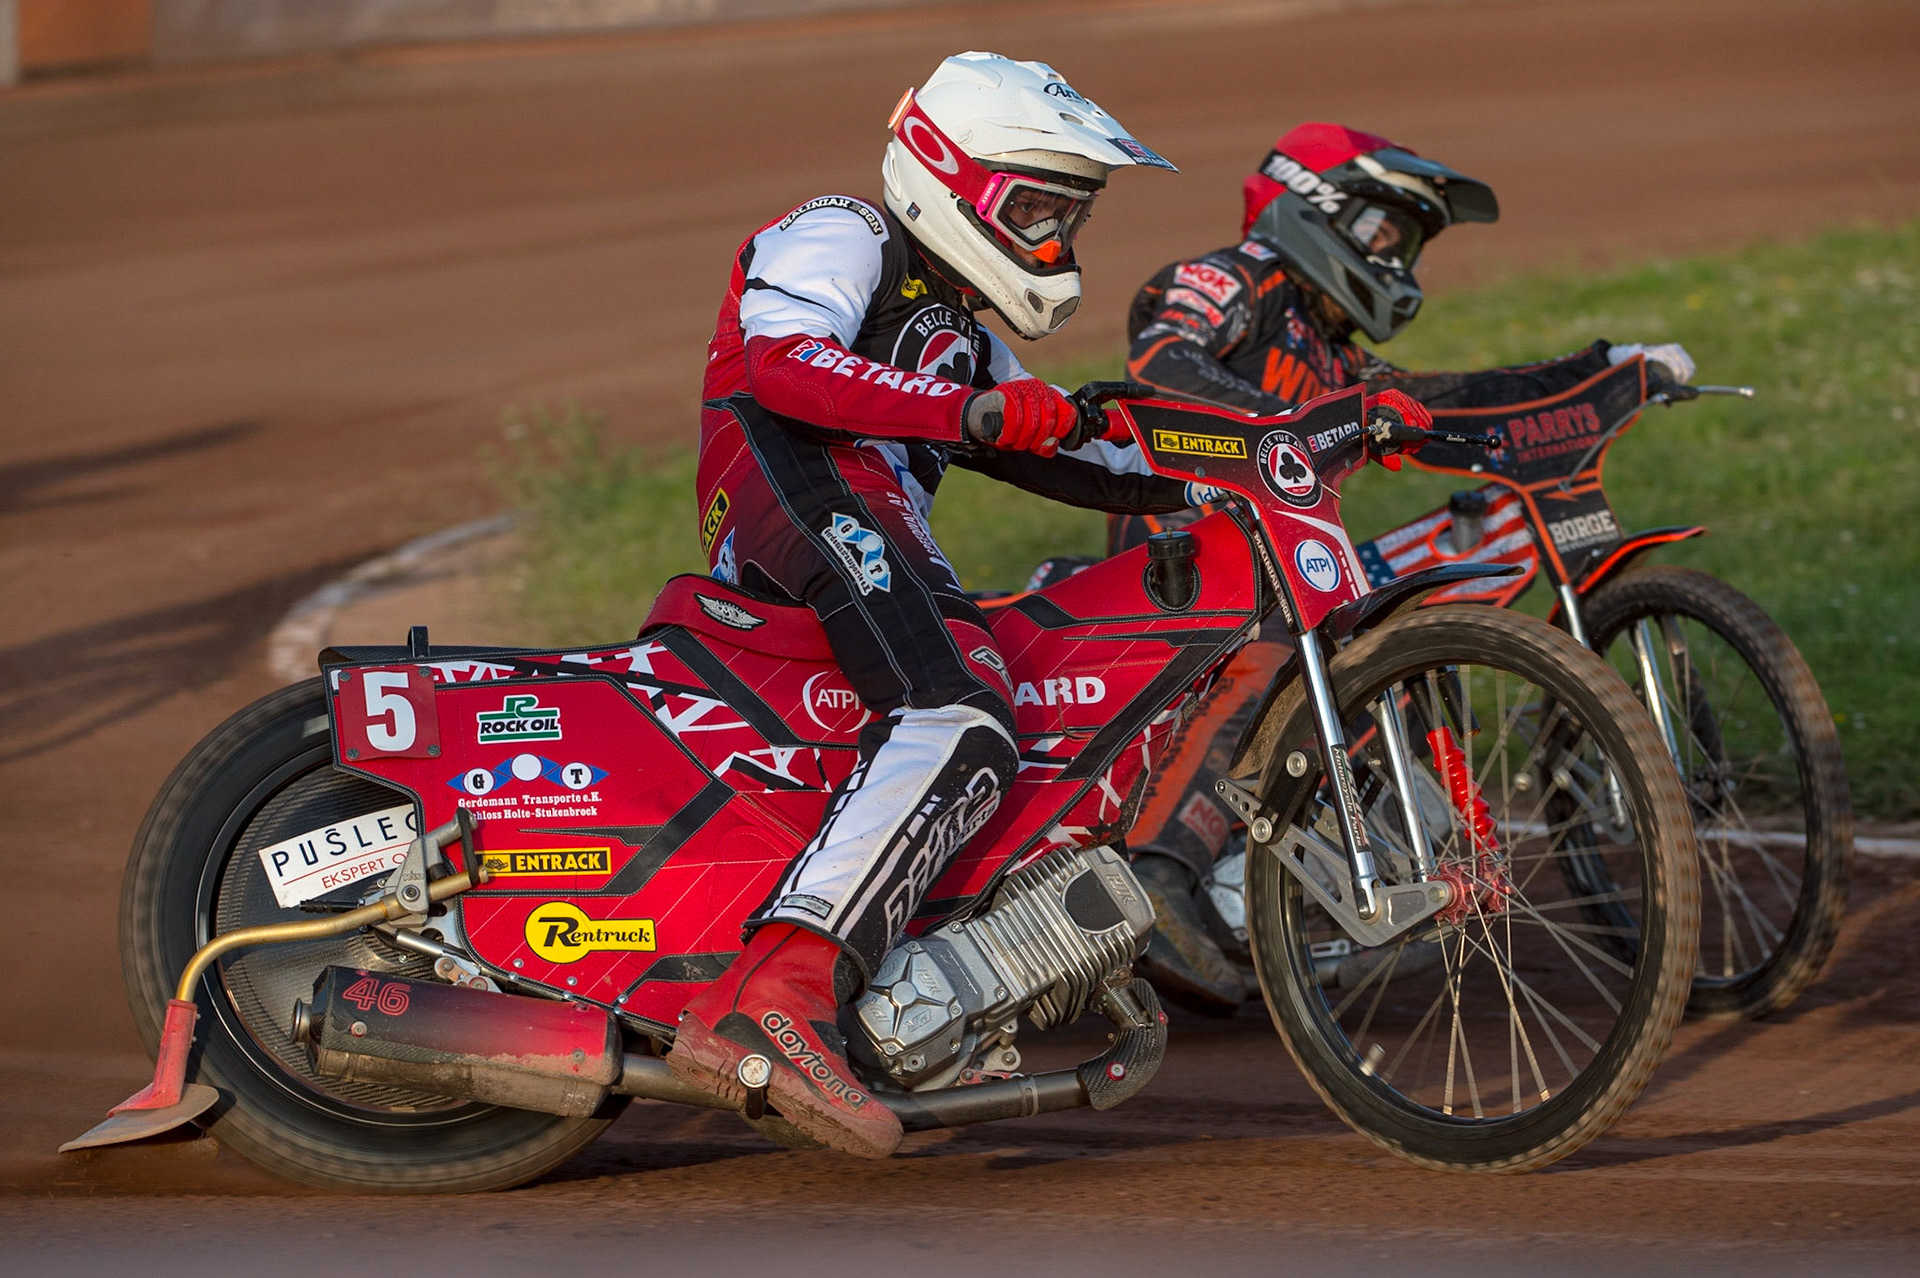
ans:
(1192, 315)
(1488, 388)
(809, 281)
(1099, 476)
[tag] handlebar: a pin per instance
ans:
(1489, 441)
(1087, 402)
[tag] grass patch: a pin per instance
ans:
(1812, 490)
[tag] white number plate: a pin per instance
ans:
(317, 862)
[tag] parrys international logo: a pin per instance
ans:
(560, 932)
(519, 718)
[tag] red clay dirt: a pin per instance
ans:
(258, 324)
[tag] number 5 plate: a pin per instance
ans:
(386, 712)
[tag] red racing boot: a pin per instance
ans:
(778, 1001)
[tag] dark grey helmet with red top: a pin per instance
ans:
(1351, 212)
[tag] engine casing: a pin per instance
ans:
(1057, 930)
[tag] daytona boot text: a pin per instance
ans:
(778, 1001)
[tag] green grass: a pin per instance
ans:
(1812, 490)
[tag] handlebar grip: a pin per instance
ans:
(1489, 441)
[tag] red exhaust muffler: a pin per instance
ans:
(528, 1053)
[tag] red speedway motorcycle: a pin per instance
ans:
(1732, 697)
(426, 922)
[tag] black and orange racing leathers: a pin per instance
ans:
(1232, 328)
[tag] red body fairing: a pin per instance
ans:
(638, 801)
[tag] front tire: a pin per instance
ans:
(262, 776)
(1530, 1035)
(1760, 760)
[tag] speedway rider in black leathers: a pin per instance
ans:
(846, 373)
(1335, 221)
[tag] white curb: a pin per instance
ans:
(303, 631)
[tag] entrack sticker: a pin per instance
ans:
(521, 863)
(1180, 441)
(711, 521)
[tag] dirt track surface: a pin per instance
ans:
(256, 325)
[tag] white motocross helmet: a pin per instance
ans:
(993, 169)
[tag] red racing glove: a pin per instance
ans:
(1396, 424)
(1021, 416)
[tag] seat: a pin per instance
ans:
(740, 618)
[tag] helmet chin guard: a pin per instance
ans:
(993, 169)
(1351, 212)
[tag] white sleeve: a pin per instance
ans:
(1115, 459)
(814, 272)
(1002, 364)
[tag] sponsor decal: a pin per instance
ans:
(1208, 823)
(1216, 283)
(1084, 691)
(1578, 531)
(1141, 154)
(317, 862)
(728, 613)
(1317, 565)
(1287, 468)
(521, 863)
(1321, 440)
(527, 768)
(831, 704)
(805, 904)
(725, 567)
(851, 205)
(1553, 432)
(928, 145)
(862, 550)
(519, 718)
(560, 932)
(1204, 494)
(822, 355)
(1257, 251)
(711, 521)
(808, 1060)
(1180, 441)
(990, 659)
(914, 289)
(1061, 89)
(1194, 302)
(935, 844)
(940, 342)
(1304, 182)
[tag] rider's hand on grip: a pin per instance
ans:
(1023, 416)
(1396, 424)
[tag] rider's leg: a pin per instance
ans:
(930, 770)
(1182, 827)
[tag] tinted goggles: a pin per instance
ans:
(1026, 212)
(1381, 231)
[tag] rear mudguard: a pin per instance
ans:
(1349, 621)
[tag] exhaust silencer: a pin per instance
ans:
(527, 1053)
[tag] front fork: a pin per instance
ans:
(1333, 758)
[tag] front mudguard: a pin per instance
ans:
(1350, 621)
(1624, 556)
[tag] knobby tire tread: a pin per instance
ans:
(1653, 590)
(1468, 634)
(499, 1149)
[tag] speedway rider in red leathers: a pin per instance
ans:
(1335, 221)
(846, 373)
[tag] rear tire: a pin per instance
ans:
(1548, 1038)
(1770, 912)
(264, 775)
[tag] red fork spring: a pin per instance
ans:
(1462, 788)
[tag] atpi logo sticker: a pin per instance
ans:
(560, 932)
(519, 718)
(831, 704)
(1317, 565)
(1287, 468)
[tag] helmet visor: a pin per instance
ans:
(1388, 235)
(1035, 215)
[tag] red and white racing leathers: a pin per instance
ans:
(836, 388)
